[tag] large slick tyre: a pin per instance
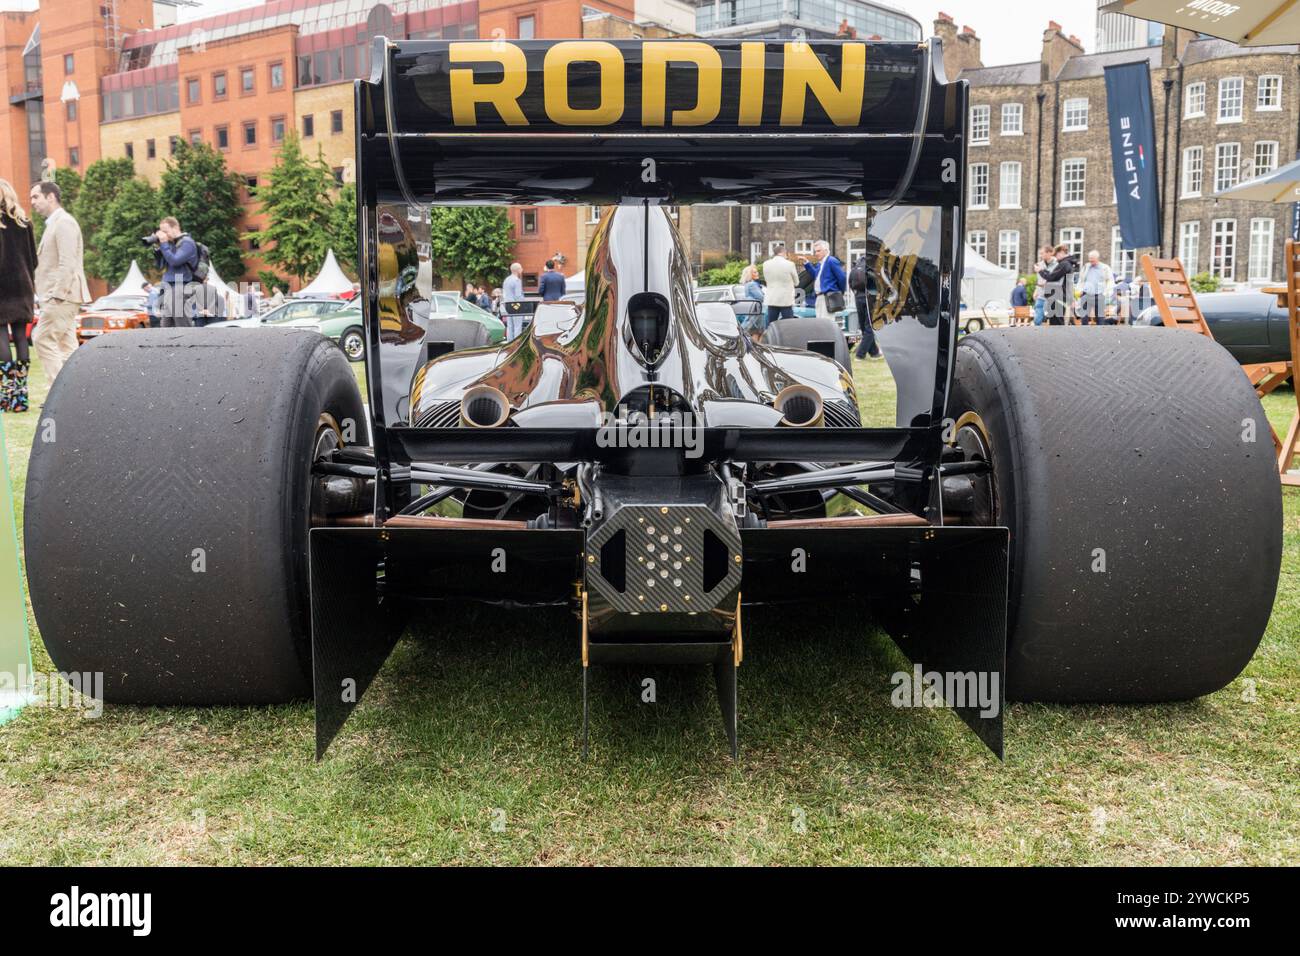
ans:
(798, 332)
(1146, 526)
(166, 521)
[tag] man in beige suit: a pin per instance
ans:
(60, 280)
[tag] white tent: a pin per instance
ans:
(331, 281)
(133, 284)
(233, 300)
(982, 282)
(576, 282)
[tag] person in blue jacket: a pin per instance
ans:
(551, 285)
(828, 279)
(177, 255)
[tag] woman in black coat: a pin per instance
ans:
(17, 297)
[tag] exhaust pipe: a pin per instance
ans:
(484, 407)
(800, 406)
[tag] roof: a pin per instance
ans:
(1094, 64)
(1012, 74)
(1212, 48)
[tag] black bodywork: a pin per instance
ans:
(739, 511)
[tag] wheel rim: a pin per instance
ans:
(353, 346)
(973, 497)
(328, 438)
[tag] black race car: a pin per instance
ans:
(1064, 517)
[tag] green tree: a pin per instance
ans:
(728, 274)
(203, 195)
(1205, 282)
(298, 204)
(343, 227)
(104, 178)
(473, 242)
(133, 212)
(69, 182)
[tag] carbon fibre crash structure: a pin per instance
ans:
(635, 457)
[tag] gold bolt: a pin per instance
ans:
(688, 597)
(641, 558)
(663, 511)
(688, 558)
(591, 559)
(663, 607)
(737, 559)
(640, 597)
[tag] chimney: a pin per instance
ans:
(945, 28)
(1174, 44)
(1057, 48)
(968, 49)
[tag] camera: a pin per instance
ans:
(150, 240)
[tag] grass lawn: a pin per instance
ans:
(465, 750)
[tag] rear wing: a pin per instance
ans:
(674, 121)
(732, 122)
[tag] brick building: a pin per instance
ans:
(1039, 157)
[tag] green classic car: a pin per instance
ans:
(344, 325)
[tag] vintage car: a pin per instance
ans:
(112, 313)
(1064, 517)
(1250, 325)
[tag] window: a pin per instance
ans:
(979, 124)
(1194, 100)
(223, 137)
(1259, 267)
(1193, 171)
(277, 129)
(1009, 249)
(1230, 88)
(1123, 262)
(250, 182)
(593, 214)
(1223, 248)
(802, 247)
(192, 89)
(755, 213)
(1189, 245)
(172, 143)
(1075, 112)
(1073, 238)
(68, 64)
(804, 213)
(70, 110)
(338, 175)
(1013, 119)
(254, 244)
(1268, 94)
(1227, 165)
(978, 240)
(196, 137)
(858, 211)
(74, 156)
(336, 121)
(776, 214)
(277, 75)
(1073, 174)
(219, 85)
(150, 149)
(1265, 158)
(130, 150)
(528, 221)
(979, 186)
(1009, 186)
(250, 133)
(247, 80)
(755, 250)
(526, 27)
(308, 126)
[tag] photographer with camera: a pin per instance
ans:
(182, 261)
(1057, 282)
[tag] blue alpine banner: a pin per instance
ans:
(1133, 153)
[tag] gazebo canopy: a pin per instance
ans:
(331, 281)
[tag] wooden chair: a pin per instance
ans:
(1290, 446)
(1178, 310)
(1022, 315)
